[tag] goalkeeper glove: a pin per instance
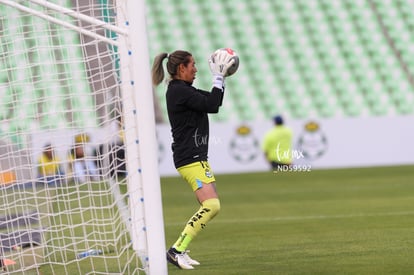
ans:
(219, 64)
(218, 82)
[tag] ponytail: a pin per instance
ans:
(157, 69)
(174, 60)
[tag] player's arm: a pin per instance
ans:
(210, 102)
(203, 101)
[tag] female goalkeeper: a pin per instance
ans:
(187, 111)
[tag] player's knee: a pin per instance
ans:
(213, 205)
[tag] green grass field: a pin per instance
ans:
(349, 221)
(343, 221)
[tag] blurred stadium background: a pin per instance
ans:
(312, 58)
(332, 62)
(302, 58)
(346, 65)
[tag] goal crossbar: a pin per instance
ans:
(80, 16)
(71, 13)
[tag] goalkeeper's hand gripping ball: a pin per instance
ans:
(224, 61)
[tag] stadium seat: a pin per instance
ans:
(285, 40)
(22, 110)
(302, 58)
(19, 105)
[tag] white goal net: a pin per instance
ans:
(79, 185)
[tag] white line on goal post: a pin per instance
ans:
(62, 23)
(140, 135)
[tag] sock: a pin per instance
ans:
(208, 210)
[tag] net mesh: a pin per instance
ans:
(63, 180)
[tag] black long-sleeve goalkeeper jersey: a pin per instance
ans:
(188, 110)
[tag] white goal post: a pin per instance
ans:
(75, 81)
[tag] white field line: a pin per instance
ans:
(299, 218)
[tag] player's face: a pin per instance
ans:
(188, 73)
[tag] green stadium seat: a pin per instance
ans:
(405, 107)
(19, 100)
(52, 71)
(291, 44)
(315, 57)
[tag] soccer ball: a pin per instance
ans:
(233, 69)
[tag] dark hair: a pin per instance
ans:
(174, 60)
(278, 120)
